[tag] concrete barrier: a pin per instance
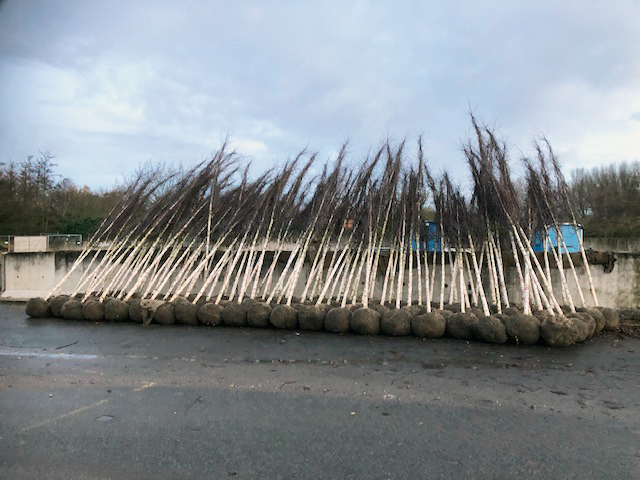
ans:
(27, 275)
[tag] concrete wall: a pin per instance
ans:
(26, 275)
(617, 245)
(618, 289)
(34, 274)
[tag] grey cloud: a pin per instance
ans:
(287, 73)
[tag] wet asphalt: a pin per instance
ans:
(121, 401)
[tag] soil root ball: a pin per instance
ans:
(414, 310)
(612, 318)
(598, 316)
(462, 326)
(311, 317)
(234, 314)
(429, 325)
(522, 329)
(209, 314)
(478, 312)
(541, 315)
(258, 315)
(116, 310)
(582, 328)
(38, 308)
(72, 310)
(511, 311)
(381, 309)
(185, 311)
(93, 310)
(453, 308)
(148, 309)
(491, 330)
(559, 331)
(135, 310)
(325, 307)
(590, 323)
(56, 305)
(284, 316)
(165, 314)
(337, 320)
(248, 302)
(365, 321)
(396, 322)
(565, 309)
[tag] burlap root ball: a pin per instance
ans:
(559, 331)
(565, 309)
(135, 310)
(453, 308)
(234, 314)
(165, 314)
(414, 310)
(209, 314)
(491, 330)
(38, 308)
(429, 325)
(584, 325)
(311, 317)
(185, 311)
(397, 322)
(284, 316)
(337, 320)
(248, 302)
(590, 322)
(478, 312)
(115, 310)
(598, 316)
(511, 311)
(522, 329)
(148, 308)
(381, 309)
(611, 316)
(56, 305)
(365, 321)
(542, 315)
(72, 310)
(258, 315)
(462, 326)
(93, 310)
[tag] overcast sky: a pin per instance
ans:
(107, 85)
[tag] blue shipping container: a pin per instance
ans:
(432, 241)
(567, 233)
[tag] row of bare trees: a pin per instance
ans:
(216, 232)
(35, 200)
(608, 199)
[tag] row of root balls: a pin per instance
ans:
(510, 326)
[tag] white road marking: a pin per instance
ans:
(146, 385)
(65, 415)
(19, 352)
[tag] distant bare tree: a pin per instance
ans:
(34, 199)
(608, 199)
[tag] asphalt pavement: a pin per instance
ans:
(122, 401)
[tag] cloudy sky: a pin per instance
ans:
(107, 85)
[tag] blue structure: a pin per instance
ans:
(431, 243)
(567, 233)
